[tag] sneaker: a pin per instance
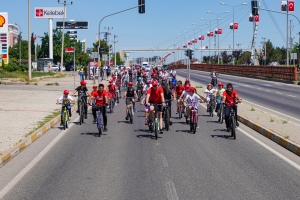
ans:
(127, 117)
(85, 116)
(94, 121)
(61, 123)
(116, 103)
(77, 111)
(171, 123)
(105, 129)
(146, 122)
(237, 124)
(161, 132)
(134, 110)
(69, 118)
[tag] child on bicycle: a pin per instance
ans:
(66, 101)
(129, 95)
(210, 92)
(192, 100)
(169, 95)
(82, 90)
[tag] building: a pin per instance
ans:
(4, 38)
(83, 45)
(13, 32)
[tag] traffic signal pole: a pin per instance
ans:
(99, 43)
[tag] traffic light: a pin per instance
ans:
(254, 8)
(191, 53)
(100, 50)
(186, 53)
(141, 6)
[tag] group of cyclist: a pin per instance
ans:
(157, 88)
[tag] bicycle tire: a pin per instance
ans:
(155, 130)
(167, 119)
(194, 122)
(111, 106)
(99, 125)
(233, 127)
(83, 111)
(67, 119)
(180, 111)
(64, 121)
(80, 114)
(130, 116)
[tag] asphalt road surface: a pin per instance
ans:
(274, 97)
(128, 163)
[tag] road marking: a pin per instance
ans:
(291, 96)
(171, 191)
(271, 150)
(163, 160)
(267, 90)
(259, 88)
(278, 93)
(290, 117)
(17, 178)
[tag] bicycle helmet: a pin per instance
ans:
(148, 82)
(130, 83)
(192, 89)
(187, 80)
(140, 78)
(187, 87)
(110, 81)
(209, 85)
(82, 82)
(220, 84)
(94, 86)
(154, 83)
(66, 91)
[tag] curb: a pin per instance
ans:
(291, 146)
(12, 152)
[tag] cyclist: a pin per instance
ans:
(118, 84)
(168, 95)
(101, 99)
(187, 82)
(129, 95)
(147, 108)
(139, 85)
(178, 91)
(155, 94)
(214, 76)
(173, 82)
(94, 91)
(183, 96)
(192, 99)
(66, 101)
(82, 90)
(112, 90)
(125, 78)
(219, 95)
(230, 96)
(210, 91)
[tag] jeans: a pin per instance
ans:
(103, 111)
(81, 76)
(227, 115)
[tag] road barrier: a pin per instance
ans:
(275, 72)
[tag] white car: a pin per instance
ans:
(55, 68)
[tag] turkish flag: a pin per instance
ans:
(202, 37)
(220, 31)
(256, 18)
(291, 4)
(34, 37)
(211, 34)
(195, 40)
(236, 26)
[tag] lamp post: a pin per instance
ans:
(20, 43)
(224, 4)
(29, 44)
(218, 32)
(209, 36)
(200, 26)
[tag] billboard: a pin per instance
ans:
(49, 12)
(73, 25)
(4, 37)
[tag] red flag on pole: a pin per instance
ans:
(256, 18)
(236, 26)
(291, 4)
(220, 31)
(69, 50)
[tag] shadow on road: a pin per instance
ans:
(92, 134)
(222, 136)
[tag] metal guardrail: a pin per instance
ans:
(276, 72)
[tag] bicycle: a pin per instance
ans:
(65, 117)
(82, 110)
(194, 118)
(125, 85)
(220, 113)
(211, 105)
(154, 126)
(166, 115)
(130, 110)
(232, 122)
(99, 120)
(180, 109)
(214, 81)
(139, 93)
(111, 103)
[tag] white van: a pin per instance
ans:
(145, 64)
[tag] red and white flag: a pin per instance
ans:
(69, 50)
(291, 4)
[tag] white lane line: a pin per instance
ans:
(267, 90)
(17, 178)
(259, 88)
(278, 93)
(291, 96)
(171, 191)
(271, 150)
(287, 116)
(162, 158)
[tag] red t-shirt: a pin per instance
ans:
(155, 95)
(230, 98)
(93, 92)
(179, 90)
(111, 88)
(100, 97)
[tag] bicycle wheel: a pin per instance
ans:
(167, 119)
(64, 121)
(130, 116)
(221, 114)
(156, 130)
(81, 114)
(233, 127)
(180, 111)
(67, 118)
(139, 95)
(99, 124)
(111, 106)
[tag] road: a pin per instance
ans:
(127, 163)
(274, 97)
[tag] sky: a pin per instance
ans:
(162, 23)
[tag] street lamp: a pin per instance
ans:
(218, 33)
(20, 43)
(243, 4)
(200, 26)
(209, 36)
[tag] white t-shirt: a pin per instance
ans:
(185, 93)
(208, 93)
(193, 100)
(146, 87)
(65, 100)
(126, 77)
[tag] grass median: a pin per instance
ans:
(24, 75)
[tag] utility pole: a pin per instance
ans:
(115, 50)
(107, 42)
(291, 39)
(29, 44)
(63, 35)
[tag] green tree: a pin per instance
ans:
(118, 59)
(244, 58)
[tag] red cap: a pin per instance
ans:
(187, 87)
(192, 89)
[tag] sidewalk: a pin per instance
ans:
(280, 130)
(23, 107)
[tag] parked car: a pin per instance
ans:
(69, 67)
(55, 68)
